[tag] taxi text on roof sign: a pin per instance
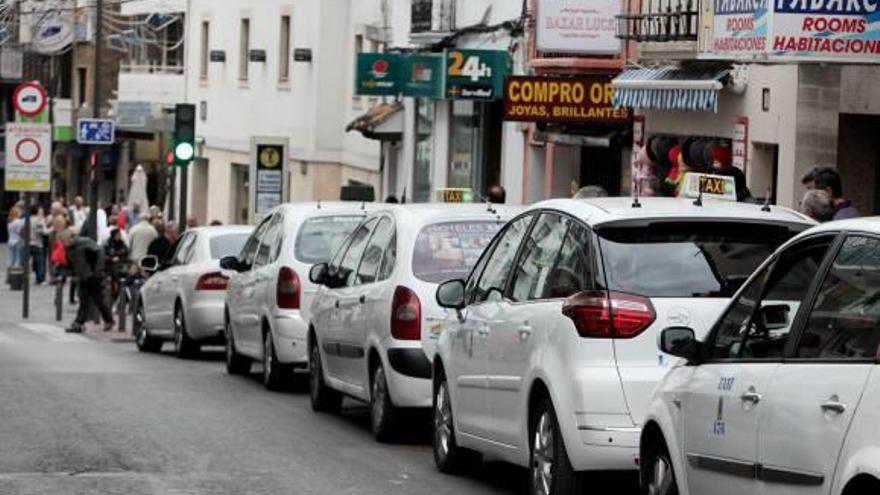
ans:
(573, 100)
(711, 186)
(455, 195)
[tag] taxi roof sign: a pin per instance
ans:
(454, 195)
(711, 186)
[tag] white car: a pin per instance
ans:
(375, 314)
(268, 300)
(183, 301)
(783, 395)
(549, 357)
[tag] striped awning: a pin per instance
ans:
(670, 88)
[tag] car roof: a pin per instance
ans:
(867, 224)
(330, 206)
(216, 230)
(596, 211)
(426, 213)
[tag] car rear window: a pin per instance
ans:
(696, 259)
(320, 238)
(225, 245)
(447, 251)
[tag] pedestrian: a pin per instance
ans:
(192, 222)
(114, 225)
(35, 244)
(828, 179)
(392, 200)
(15, 228)
(162, 245)
(141, 235)
(496, 194)
(591, 192)
(133, 215)
(79, 214)
(216, 223)
(818, 205)
(87, 261)
(116, 254)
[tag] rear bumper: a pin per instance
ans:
(205, 318)
(291, 333)
(409, 378)
(605, 448)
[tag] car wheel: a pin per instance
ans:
(184, 346)
(656, 471)
(382, 411)
(272, 370)
(236, 364)
(550, 471)
(448, 456)
(142, 338)
(323, 398)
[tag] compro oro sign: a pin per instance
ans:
(28, 157)
(578, 26)
(588, 100)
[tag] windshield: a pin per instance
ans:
(448, 251)
(675, 259)
(320, 238)
(227, 245)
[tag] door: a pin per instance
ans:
(166, 290)
(803, 427)
(470, 347)
(554, 264)
(241, 307)
(726, 396)
(264, 274)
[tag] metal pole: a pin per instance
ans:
(96, 113)
(184, 187)
(26, 283)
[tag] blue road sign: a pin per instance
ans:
(95, 131)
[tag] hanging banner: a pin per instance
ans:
(740, 27)
(587, 100)
(378, 74)
(475, 74)
(585, 27)
(422, 76)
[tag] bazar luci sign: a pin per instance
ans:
(453, 74)
(588, 99)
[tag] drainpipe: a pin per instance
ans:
(549, 170)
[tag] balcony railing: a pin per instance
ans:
(661, 21)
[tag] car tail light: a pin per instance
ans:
(406, 315)
(609, 315)
(212, 281)
(287, 294)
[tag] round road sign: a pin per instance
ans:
(28, 150)
(29, 99)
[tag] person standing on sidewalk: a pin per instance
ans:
(15, 227)
(87, 260)
(140, 237)
(37, 249)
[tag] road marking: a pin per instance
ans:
(53, 333)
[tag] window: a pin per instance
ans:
(244, 48)
(184, 249)
(758, 323)
(375, 252)
(555, 262)
(250, 249)
(320, 238)
(206, 49)
(448, 251)
(500, 263)
(269, 243)
(225, 245)
(81, 85)
(347, 273)
(284, 49)
(389, 261)
(844, 323)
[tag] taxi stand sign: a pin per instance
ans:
(712, 186)
(28, 157)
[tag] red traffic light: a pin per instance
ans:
(169, 158)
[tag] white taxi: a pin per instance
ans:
(548, 359)
(783, 395)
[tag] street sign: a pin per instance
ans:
(100, 132)
(28, 157)
(269, 168)
(29, 99)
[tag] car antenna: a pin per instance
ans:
(489, 207)
(319, 204)
(403, 198)
(363, 206)
(699, 200)
(766, 206)
(636, 202)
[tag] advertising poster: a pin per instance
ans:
(832, 30)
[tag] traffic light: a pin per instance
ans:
(184, 133)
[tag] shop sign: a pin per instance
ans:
(422, 76)
(378, 74)
(740, 27)
(475, 74)
(578, 26)
(709, 186)
(833, 30)
(453, 195)
(587, 100)
(741, 143)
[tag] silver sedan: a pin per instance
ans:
(183, 300)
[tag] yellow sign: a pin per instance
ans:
(455, 195)
(711, 186)
(270, 157)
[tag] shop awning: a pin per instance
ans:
(670, 88)
(383, 122)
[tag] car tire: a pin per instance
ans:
(236, 364)
(323, 398)
(142, 338)
(550, 471)
(383, 414)
(448, 456)
(184, 346)
(273, 371)
(656, 473)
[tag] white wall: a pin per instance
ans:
(166, 89)
(152, 6)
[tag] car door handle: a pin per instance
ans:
(525, 332)
(336, 304)
(751, 396)
(363, 299)
(834, 405)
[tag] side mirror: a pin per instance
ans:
(774, 316)
(450, 294)
(680, 342)
(230, 263)
(318, 274)
(149, 263)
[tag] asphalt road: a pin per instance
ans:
(86, 416)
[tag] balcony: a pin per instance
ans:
(661, 21)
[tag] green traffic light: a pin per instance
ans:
(184, 152)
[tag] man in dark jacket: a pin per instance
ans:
(87, 261)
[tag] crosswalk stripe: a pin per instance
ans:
(53, 333)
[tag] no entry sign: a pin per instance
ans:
(28, 157)
(29, 99)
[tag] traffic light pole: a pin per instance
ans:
(95, 173)
(184, 193)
